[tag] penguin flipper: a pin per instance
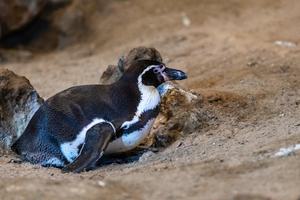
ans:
(96, 141)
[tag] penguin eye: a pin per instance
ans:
(158, 69)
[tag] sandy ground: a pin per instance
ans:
(250, 81)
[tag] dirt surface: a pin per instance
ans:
(243, 57)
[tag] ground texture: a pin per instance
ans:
(243, 57)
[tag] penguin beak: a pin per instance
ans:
(174, 74)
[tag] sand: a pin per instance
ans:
(243, 57)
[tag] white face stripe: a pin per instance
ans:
(70, 149)
(147, 69)
(150, 98)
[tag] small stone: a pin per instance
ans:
(252, 63)
(287, 44)
(185, 20)
(101, 183)
(146, 156)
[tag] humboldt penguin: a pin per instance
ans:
(75, 127)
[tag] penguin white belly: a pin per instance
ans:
(129, 141)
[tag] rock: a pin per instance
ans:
(114, 72)
(287, 44)
(18, 102)
(14, 14)
(146, 156)
(111, 74)
(287, 151)
(101, 183)
(185, 20)
(181, 113)
(32, 22)
(68, 23)
(140, 53)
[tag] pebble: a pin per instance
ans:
(285, 44)
(146, 156)
(185, 20)
(101, 183)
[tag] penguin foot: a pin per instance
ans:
(75, 169)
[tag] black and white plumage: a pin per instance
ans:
(75, 127)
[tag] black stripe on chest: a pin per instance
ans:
(143, 119)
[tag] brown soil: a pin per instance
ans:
(250, 83)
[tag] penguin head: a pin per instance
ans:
(154, 73)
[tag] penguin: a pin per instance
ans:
(75, 127)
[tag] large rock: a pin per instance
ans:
(14, 14)
(181, 113)
(18, 102)
(27, 24)
(114, 72)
